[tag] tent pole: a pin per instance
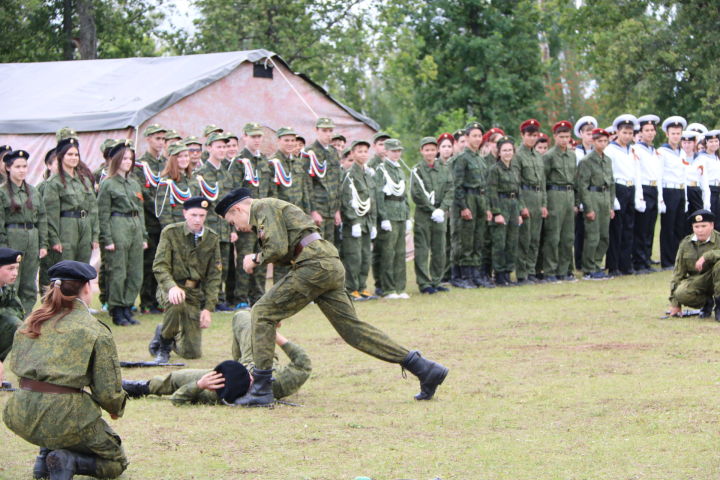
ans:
(268, 59)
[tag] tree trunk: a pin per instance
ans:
(67, 29)
(88, 33)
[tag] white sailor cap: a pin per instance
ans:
(648, 120)
(674, 121)
(611, 130)
(712, 134)
(689, 135)
(624, 119)
(697, 127)
(586, 120)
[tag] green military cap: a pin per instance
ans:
(346, 151)
(392, 144)
(339, 136)
(172, 135)
(191, 140)
(230, 135)
(473, 126)
(108, 143)
(425, 141)
(324, 122)
(504, 139)
(177, 148)
(359, 142)
(283, 131)
(214, 137)
(379, 136)
(66, 132)
(210, 129)
(153, 129)
(253, 128)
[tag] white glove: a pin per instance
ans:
(616, 205)
(356, 231)
(387, 189)
(408, 225)
(581, 207)
(687, 205)
(438, 215)
(373, 233)
(663, 208)
(386, 225)
(640, 206)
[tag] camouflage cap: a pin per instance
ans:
(392, 144)
(473, 126)
(153, 128)
(283, 131)
(210, 129)
(121, 145)
(66, 132)
(346, 151)
(252, 129)
(324, 122)
(380, 136)
(108, 143)
(191, 140)
(177, 148)
(230, 135)
(172, 135)
(214, 137)
(424, 141)
(339, 136)
(359, 142)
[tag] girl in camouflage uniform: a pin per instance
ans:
(175, 186)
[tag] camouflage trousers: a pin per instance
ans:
(76, 238)
(356, 256)
(321, 280)
(696, 290)
(27, 242)
(8, 325)
(248, 288)
(391, 250)
(149, 283)
(182, 323)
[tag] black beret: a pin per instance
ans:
(237, 380)
(120, 145)
(5, 148)
(196, 202)
(8, 159)
(701, 215)
(49, 155)
(65, 143)
(72, 270)
(236, 196)
(8, 256)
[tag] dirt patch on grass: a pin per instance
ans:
(587, 346)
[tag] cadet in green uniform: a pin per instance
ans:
(560, 166)
(71, 205)
(696, 275)
(188, 270)
(52, 257)
(431, 188)
(171, 138)
(359, 218)
(122, 233)
(177, 184)
(378, 144)
(99, 175)
(195, 149)
(247, 171)
(595, 186)
(146, 171)
(68, 368)
(393, 214)
(323, 166)
(534, 199)
(287, 236)
(470, 208)
(11, 309)
(23, 224)
(446, 143)
(207, 131)
(503, 187)
(214, 181)
(230, 379)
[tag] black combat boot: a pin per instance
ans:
(482, 279)
(64, 464)
(466, 276)
(136, 388)
(502, 279)
(127, 313)
(155, 342)
(260, 393)
(163, 353)
(707, 309)
(39, 469)
(717, 309)
(456, 278)
(116, 313)
(431, 374)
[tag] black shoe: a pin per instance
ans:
(64, 464)
(717, 309)
(154, 344)
(570, 277)
(486, 281)
(500, 280)
(614, 273)
(428, 290)
(458, 279)
(223, 307)
(136, 388)
(260, 393)
(116, 313)
(127, 313)
(551, 279)
(532, 279)
(440, 288)
(379, 292)
(163, 353)
(40, 469)
(431, 374)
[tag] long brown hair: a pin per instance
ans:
(115, 161)
(172, 170)
(58, 299)
(14, 206)
(82, 169)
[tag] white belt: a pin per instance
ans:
(678, 186)
(622, 181)
(651, 183)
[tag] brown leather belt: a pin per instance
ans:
(44, 387)
(305, 241)
(191, 283)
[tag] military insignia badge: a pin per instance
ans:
(698, 218)
(19, 259)
(204, 204)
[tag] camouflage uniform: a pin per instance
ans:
(316, 275)
(469, 173)
(503, 187)
(534, 198)
(71, 216)
(197, 270)
(688, 286)
(52, 256)
(391, 244)
(122, 223)
(372, 165)
(78, 351)
(24, 230)
(172, 211)
(560, 167)
(325, 191)
(11, 315)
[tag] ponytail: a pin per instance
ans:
(58, 299)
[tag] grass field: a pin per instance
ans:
(569, 381)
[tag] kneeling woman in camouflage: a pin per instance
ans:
(60, 350)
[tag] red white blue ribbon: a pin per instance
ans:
(281, 176)
(151, 180)
(316, 169)
(177, 195)
(211, 193)
(250, 175)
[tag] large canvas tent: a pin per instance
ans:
(118, 98)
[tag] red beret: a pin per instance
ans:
(543, 136)
(600, 131)
(492, 132)
(561, 124)
(446, 136)
(529, 123)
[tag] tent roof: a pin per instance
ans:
(92, 95)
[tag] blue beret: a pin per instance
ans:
(237, 380)
(72, 270)
(236, 196)
(8, 256)
(196, 202)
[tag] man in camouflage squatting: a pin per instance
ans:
(325, 177)
(11, 309)
(287, 236)
(188, 270)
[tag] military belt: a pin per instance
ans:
(393, 197)
(507, 195)
(24, 226)
(45, 387)
(692, 184)
(560, 188)
(74, 213)
(593, 188)
(676, 186)
(476, 191)
(622, 181)
(191, 283)
(534, 188)
(651, 183)
(306, 240)
(123, 214)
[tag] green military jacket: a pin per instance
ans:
(222, 177)
(375, 162)
(122, 195)
(560, 167)
(252, 175)
(469, 172)
(431, 187)
(169, 207)
(74, 194)
(99, 175)
(10, 304)
(178, 259)
(503, 180)
(689, 251)
(24, 214)
(392, 198)
(287, 180)
(280, 226)
(359, 196)
(532, 170)
(156, 165)
(594, 170)
(75, 350)
(324, 186)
